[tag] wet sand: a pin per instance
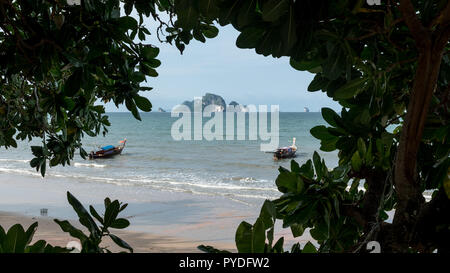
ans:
(160, 221)
(141, 242)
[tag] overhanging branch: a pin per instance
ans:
(443, 18)
(421, 35)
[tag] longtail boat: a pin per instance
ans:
(108, 151)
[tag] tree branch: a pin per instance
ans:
(354, 212)
(407, 183)
(421, 35)
(443, 18)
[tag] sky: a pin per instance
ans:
(240, 75)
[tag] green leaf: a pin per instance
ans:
(198, 35)
(73, 231)
(259, 237)
(304, 65)
(272, 10)
(150, 52)
(210, 32)
(111, 213)
(34, 162)
(120, 223)
(296, 248)
(95, 214)
(268, 214)
(361, 148)
(309, 248)
(318, 83)
(123, 207)
(120, 242)
(350, 89)
(143, 103)
(187, 13)
(246, 14)
(307, 169)
(300, 216)
(297, 230)
(130, 104)
(209, 8)
(148, 70)
(30, 232)
(137, 77)
(128, 8)
(335, 64)
(15, 240)
(295, 167)
(73, 83)
(69, 103)
(154, 63)
(127, 22)
(84, 216)
(250, 37)
(270, 236)
(228, 13)
(2, 235)
(243, 238)
(37, 247)
(319, 232)
(446, 183)
(289, 182)
(330, 116)
(43, 166)
(356, 162)
(289, 30)
(107, 202)
(317, 165)
(278, 246)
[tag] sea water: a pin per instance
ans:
(152, 159)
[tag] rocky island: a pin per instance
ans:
(213, 99)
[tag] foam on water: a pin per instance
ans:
(152, 159)
(14, 160)
(90, 165)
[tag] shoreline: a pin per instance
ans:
(141, 242)
(159, 221)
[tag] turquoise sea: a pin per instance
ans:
(234, 169)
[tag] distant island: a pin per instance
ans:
(218, 101)
(161, 110)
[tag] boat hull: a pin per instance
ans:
(284, 153)
(106, 154)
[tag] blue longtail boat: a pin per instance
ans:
(108, 151)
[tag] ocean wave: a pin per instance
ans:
(245, 165)
(222, 186)
(195, 186)
(14, 160)
(20, 171)
(91, 165)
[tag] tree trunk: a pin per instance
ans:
(406, 179)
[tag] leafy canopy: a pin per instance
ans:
(388, 66)
(59, 61)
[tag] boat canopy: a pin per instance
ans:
(109, 147)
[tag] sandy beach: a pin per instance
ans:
(160, 221)
(141, 242)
